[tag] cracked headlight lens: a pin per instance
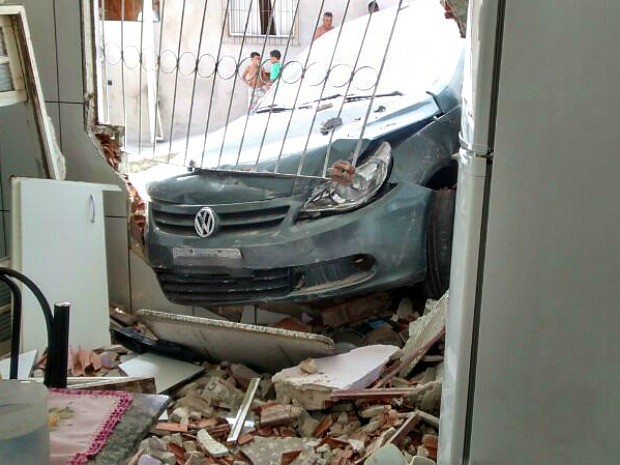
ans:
(340, 195)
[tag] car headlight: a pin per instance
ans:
(337, 196)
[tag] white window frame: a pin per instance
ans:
(21, 57)
(237, 18)
(12, 57)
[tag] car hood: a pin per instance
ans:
(300, 128)
(274, 141)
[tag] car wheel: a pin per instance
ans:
(439, 243)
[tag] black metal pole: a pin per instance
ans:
(16, 325)
(58, 349)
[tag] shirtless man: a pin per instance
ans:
(254, 77)
(325, 27)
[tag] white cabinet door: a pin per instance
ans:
(58, 241)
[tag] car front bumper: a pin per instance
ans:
(262, 253)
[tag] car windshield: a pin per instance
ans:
(352, 59)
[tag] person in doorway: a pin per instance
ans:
(325, 27)
(255, 78)
(276, 66)
(373, 7)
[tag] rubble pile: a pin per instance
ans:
(102, 362)
(343, 409)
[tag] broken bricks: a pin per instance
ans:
(335, 410)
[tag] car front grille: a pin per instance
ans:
(204, 289)
(179, 219)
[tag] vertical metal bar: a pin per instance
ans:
(374, 92)
(58, 349)
(242, 414)
(262, 53)
(245, 31)
(176, 80)
(105, 62)
(16, 324)
(217, 63)
(141, 63)
(191, 106)
(288, 41)
(161, 41)
(288, 125)
(123, 63)
(316, 110)
(344, 100)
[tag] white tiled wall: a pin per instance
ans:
(56, 32)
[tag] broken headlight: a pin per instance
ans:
(352, 187)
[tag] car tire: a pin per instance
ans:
(439, 243)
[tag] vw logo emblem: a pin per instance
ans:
(204, 223)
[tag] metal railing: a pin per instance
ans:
(182, 86)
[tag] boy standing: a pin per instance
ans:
(254, 77)
(276, 66)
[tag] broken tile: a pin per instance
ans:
(355, 369)
(171, 427)
(166, 371)
(323, 426)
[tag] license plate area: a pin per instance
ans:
(186, 255)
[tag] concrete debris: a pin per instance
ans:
(148, 460)
(424, 333)
(405, 310)
(210, 445)
(222, 393)
(419, 460)
(386, 455)
(308, 366)
(270, 450)
(355, 369)
(261, 347)
(374, 405)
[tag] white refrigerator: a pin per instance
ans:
(532, 362)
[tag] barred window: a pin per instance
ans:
(262, 17)
(127, 10)
(12, 87)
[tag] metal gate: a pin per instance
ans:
(174, 74)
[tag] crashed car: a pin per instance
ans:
(339, 183)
